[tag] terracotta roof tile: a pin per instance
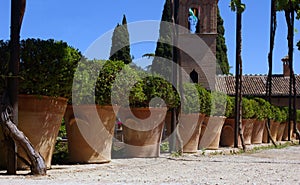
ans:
(256, 85)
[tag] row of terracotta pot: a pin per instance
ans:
(254, 132)
(90, 136)
(90, 130)
(142, 132)
(198, 131)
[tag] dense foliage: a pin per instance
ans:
(120, 49)
(248, 110)
(105, 83)
(229, 112)
(46, 68)
(262, 109)
(218, 103)
(204, 100)
(157, 91)
(221, 54)
(191, 99)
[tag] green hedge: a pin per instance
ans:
(46, 67)
(154, 88)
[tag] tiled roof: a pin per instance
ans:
(256, 85)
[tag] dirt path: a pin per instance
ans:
(276, 166)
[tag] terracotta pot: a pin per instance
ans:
(273, 128)
(189, 131)
(167, 128)
(247, 125)
(211, 132)
(142, 131)
(90, 130)
(227, 135)
(40, 118)
(285, 136)
(298, 127)
(280, 131)
(257, 132)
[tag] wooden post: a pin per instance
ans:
(13, 80)
(237, 77)
(172, 140)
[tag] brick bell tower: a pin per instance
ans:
(199, 18)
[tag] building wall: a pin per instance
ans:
(284, 101)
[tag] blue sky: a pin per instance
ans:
(80, 23)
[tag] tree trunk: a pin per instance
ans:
(273, 26)
(290, 18)
(238, 83)
(9, 103)
(175, 141)
(11, 131)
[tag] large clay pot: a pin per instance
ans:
(298, 127)
(39, 119)
(285, 136)
(211, 132)
(274, 130)
(167, 130)
(247, 125)
(90, 130)
(142, 131)
(280, 131)
(257, 132)
(189, 131)
(227, 135)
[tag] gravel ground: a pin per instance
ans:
(273, 166)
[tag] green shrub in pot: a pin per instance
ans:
(46, 67)
(218, 103)
(191, 99)
(46, 71)
(105, 82)
(285, 113)
(204, 100)
(278, 114)
(229, 112)
(247, 108)
(298, 115)
(154, 88)
(262, 109)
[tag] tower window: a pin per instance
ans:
(193, 21)
(194, 76)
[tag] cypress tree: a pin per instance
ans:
(164, 51)
(120, 49)
(221, 54)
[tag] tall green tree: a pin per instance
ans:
(120, 49)
(221, 53)
(164, 51)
